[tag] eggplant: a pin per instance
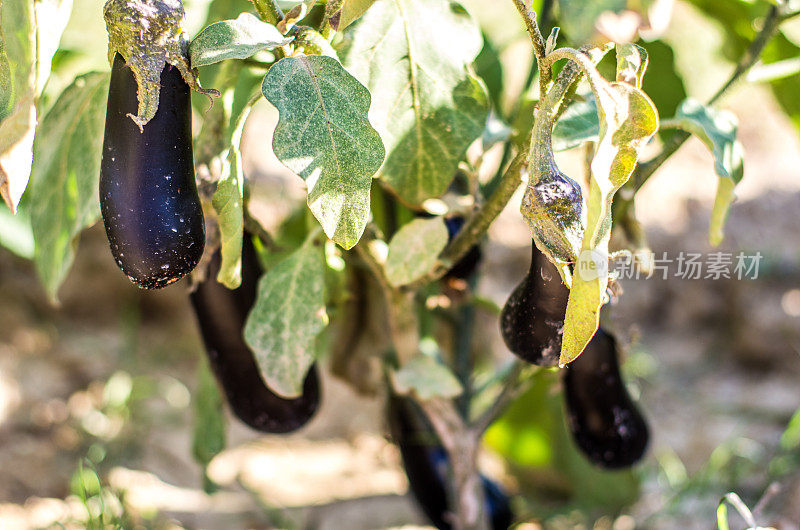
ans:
(466, 266)
(426, 464)
(603, 419)
(148, 196)
(532, 320)
(221, 315)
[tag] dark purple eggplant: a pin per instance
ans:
(426, 464)
(604, 421)
(221, 315)
(148, 196)
(532, 321)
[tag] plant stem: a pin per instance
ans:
(512, 387)
(462, 445)
(268, 10)
(529, 17)
(750, 57)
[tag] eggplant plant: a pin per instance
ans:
(403, 123)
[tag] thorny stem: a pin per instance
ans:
(268, 11)
(750, 57)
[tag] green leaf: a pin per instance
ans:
(578, 124)
(16, 234)
(209, 420)
(29, 35)
(717, 129)
(426, 378)
(234, 39)
(228, 202)
(490, 69)
(63, 194)
(288, 315)
(414, 249)
(413, 57)
(350, 11)
(786, 88)
(628, 119)
(324, 136)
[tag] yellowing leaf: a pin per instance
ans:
(628, 119)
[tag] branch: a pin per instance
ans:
(750, 57)
(268, 10)
(512, 388)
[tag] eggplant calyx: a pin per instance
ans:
(148, 34)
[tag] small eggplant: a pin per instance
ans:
(466, 266)
(148, 196)
(603, 419)
(532, 321)
(426, 464)
(221, 314)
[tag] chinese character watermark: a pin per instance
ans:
(685, 266)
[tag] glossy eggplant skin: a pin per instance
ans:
(221, 315)
(466, 266)
(148, 195)
(532, 319)
(604, 421)
(426, 464)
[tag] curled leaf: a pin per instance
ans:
(628, 119)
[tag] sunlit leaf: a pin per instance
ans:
(428, 108)
(324, 136)
(628, 119)
(414, 249)
(234, 39)
(64, 183)
(288, 314)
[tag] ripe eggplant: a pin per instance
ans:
(221, 314)
(603, 419)
(532, 321)
(466, 266)
(426, 464)
(148, 195)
